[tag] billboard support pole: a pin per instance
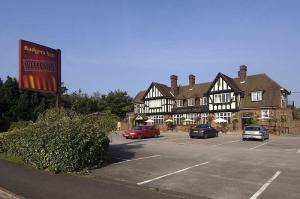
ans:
(58, 92)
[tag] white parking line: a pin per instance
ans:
(228, 142)
(182, 170)
(298, 151)
(260, 145)
(130, 160)
(265, 186)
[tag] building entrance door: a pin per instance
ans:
(246, 119)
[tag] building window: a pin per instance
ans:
(177, 119)
(158, 119)
(192, 116)
(191, 102)
(155, 103)
(265, 114)
(203, 101)
(179, 103)
(225, 116)
(256, 96)
(222, 98)
(204, 118)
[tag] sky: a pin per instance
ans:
(127, 44)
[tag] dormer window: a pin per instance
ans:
(256, 96)
(203, 101)
(191, 102)
(179, 103)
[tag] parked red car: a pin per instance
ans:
(142, 132)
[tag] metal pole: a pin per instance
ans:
(58, 92)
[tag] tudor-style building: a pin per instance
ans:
(228, 98)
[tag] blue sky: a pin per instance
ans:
(127, 44)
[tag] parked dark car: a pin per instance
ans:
(142, 132)
(203, 131)
(255, 132)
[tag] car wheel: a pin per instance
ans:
(217, 134)
(140, 136)
(244, 139)
(156, 135)
(205, 136)
(263, 139)
(192, 137)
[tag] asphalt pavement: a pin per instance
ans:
(34, 184)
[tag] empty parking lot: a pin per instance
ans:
(223, 167)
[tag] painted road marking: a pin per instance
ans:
(260, 145)
(298, 151)
(265, 186)
(7, 194)
(176, 172)
(228, 142)
(130, 160)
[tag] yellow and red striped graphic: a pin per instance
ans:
(35, 83)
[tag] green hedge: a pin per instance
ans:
(62, 142)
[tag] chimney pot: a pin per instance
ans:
(174, 87)
(243, 73)
(192, 79)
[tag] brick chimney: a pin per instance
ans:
(174, 86)
(243, 73)
(191, 80)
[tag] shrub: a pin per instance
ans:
(18, 125)
(62, 142)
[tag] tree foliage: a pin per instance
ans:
(19, 105)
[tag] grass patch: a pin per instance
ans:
(12, 158)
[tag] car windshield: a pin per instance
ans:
(252, 128)
(202, 126)
(137, 128)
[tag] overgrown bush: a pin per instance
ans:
(2, 135)
(62, 142)
(18, 125)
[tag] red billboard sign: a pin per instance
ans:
(39, 67)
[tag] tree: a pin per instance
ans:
(119, 103)
(24, 105)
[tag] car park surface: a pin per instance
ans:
(222, 167)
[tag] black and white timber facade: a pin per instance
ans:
(223, 98)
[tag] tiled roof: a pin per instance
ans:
(198, 90)
(138, 98)
(165, 90)
(259, 82)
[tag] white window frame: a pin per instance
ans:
(222, 98)
(204, 118)
(191, 102)
(256, 96)
(178, 118)
(158, 119)
(224, 115)
(179, 103)
(203, 101)
(155, 103)
(265, 114)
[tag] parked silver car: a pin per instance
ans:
(255, 132)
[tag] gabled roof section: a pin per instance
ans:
(139, 97)
(163, 89)
(228, 80)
